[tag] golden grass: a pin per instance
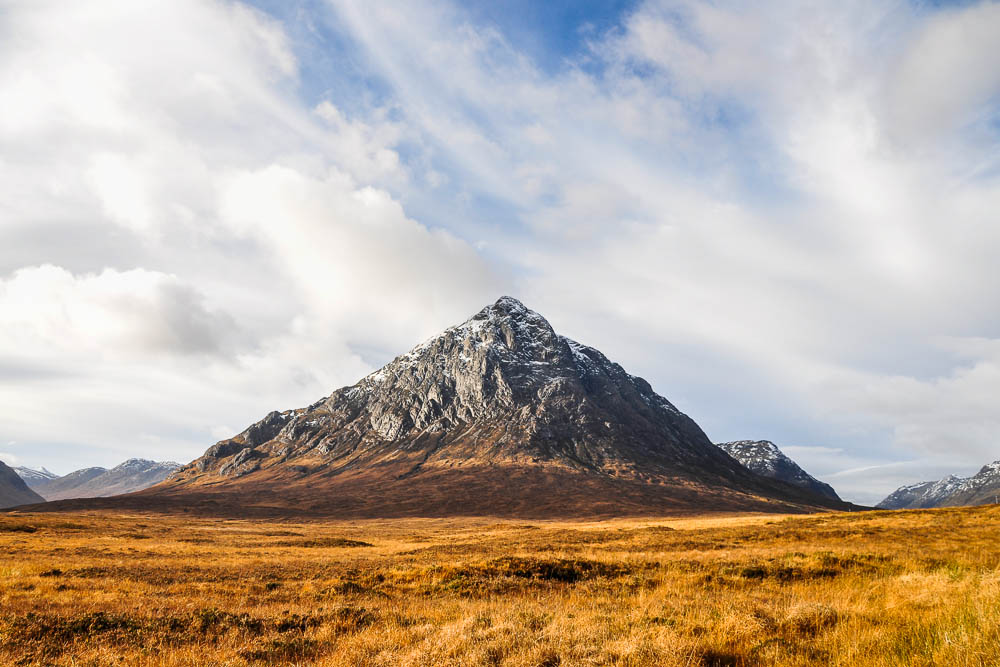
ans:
(878, 588)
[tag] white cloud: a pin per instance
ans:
(189, 243)
(349, 243)
(774, 211)
(732, 202)
(137, 312)
(946, 77)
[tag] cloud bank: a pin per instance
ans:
(782, 215)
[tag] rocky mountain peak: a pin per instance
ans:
(34, 475)
(515, 328)
(765, 458)
(504, 358)
(497, 402)
(505, 333)
(503, 384)
(981, 488)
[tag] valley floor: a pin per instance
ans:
(871, 588)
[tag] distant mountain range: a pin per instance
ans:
(983, 488)
(13, 490)
(764, 458)
(34, 475)
(132, 475)
(499, 416)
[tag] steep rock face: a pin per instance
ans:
(764, 458)
(132, 475)
(498, 402)
(13, 490)
(983, 488)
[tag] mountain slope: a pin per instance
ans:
(13, 490)
(500, 416)
(983, 488)
(764, 458)
(911, 496)
(32, 477)
(132, 475)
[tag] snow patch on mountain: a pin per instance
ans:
(764, 458)
(131, 475)
(980, 489)
(33, 476)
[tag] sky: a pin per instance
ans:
(784, 214)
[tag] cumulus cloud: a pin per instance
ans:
(781, 214)
(135, 312)
(729, 198)
(348, 243)
(188, 243)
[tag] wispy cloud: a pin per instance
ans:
(782, 214)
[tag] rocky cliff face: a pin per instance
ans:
(764, 458)
(982, 488)
(497, 415)
(13, 490)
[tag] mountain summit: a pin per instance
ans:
(500, 388)
(983, 488)
(764, 458)
(498, 415)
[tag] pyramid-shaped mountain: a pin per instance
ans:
(499, 415)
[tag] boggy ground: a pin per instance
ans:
(873, 588)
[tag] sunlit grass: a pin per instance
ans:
(880, 588)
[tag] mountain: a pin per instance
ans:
(132, 475)
(32, 476)
(65, 486)
(764, 458)
(983, 488)
(13, 490)
(499, 416)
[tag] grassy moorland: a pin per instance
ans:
(877, 588)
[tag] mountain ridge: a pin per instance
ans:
(131, 475)
(983, 488)
(34, 475)
(497, 415)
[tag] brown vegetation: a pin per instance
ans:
(875, 588)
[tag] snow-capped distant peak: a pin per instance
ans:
(983, 487)
(39, 474)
